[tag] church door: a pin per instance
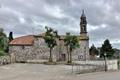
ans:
(63, 57)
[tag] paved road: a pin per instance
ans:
(50, 72)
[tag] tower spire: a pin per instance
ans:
(83, 14)
(83, 23)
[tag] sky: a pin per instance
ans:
(25, 17)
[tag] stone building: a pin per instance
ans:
(84, 39)
(33, 47)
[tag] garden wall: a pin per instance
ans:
(5, 60)
(110, 64)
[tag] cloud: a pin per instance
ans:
(25, 17)
(54, 11)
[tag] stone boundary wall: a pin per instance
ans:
(5, 60)
(111, 64)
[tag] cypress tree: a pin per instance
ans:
(107, 48)
(10, 36)
(94, 51)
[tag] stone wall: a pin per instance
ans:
(21, 53)
(84, 50)
(34, 52)
(40, 51)
(5, 60)
(63, 50)
(111, 64)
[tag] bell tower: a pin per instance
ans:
(83, 23)
(84, 38)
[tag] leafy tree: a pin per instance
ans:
(107, 48)
(1, 52)
(71, 42)
(10, 36)
(50, 39)
(3, 41)
(93, 51)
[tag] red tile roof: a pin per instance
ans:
(28, 40)
(24, 40)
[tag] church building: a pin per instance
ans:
(33, 47)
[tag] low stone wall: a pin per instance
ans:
(5, 60)
(36, 61)
(110, 64)
(85, 68)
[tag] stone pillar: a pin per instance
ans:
(12, 58)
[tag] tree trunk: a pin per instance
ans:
(68, 55)
(50, 58)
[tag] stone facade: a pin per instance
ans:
(84, 47)
(40, 51)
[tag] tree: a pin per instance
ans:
(106, 48)
(3, 41)
(10, 36)
(93, 50)
(50, 39)
(71, 43)
(116, 54)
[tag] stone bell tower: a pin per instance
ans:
(84, 38)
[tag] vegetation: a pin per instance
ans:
(71, 42)
(50, 39)
(3, 41)
(10, 36)
(2, 52)
(93, 51)
(107, 48)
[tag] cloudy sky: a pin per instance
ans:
(25, 17)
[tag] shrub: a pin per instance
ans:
(2, 52)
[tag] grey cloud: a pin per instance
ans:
(24, 16)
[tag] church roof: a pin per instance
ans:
(28, 40)
(24, 40)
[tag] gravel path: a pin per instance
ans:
(50, 72)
